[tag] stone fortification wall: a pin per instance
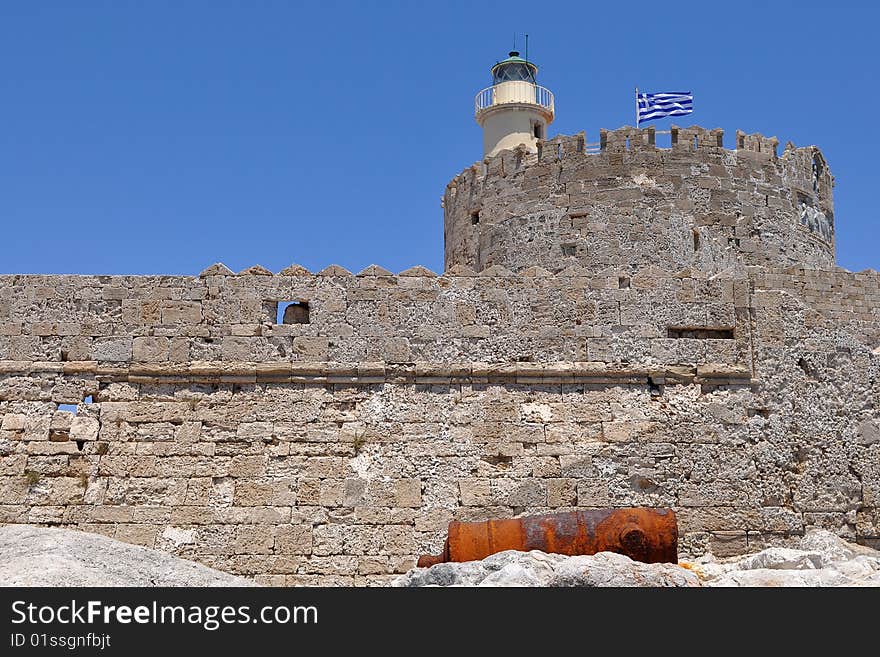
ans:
(334, 448)
(849, 299)
(632, 204)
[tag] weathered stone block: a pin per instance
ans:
(475, 492)
(116, 350)
(150, 349)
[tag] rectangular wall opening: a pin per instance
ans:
(292, 312)
(700, 332)
(73, 408)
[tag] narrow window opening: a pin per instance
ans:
(74, 408)
(818, 170)
(498, 460)
(59, 435)
(569, 249)
(475, 217)
(696, 234)
(293, 312)
(807, 368)
(80, 444)
(700, 332)
(623, 282)
(538, 131)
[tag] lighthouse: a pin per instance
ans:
(515, 109)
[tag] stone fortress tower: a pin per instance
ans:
(617, 325)
(630, 203)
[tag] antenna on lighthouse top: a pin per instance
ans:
(527, 47)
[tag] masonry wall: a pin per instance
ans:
(336, 451)
(631, 204)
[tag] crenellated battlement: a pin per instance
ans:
(491, 316)
(626, 201)
(627, 139)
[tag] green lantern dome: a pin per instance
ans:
(514, 68)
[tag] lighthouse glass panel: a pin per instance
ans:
(512, 73)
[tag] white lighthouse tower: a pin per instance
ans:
(514, 110)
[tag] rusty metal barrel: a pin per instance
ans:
(648, 535)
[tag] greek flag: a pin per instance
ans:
(668, 103)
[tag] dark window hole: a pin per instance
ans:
(700, 332)
(807, 368)
(293, 312)
(475, 217)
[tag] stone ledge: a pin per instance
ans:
(380, 372)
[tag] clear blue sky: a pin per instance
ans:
(160, 137)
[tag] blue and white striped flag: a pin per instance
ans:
(668, 103)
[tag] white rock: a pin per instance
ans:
(512, 568)
(778, 558)
(775, 577)
(822, 559)
(37, 556)
(831, 545)
(610, 569)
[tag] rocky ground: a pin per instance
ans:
(821, 559)
(37, 556)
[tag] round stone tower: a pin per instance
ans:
(514, 110)
(625, 202)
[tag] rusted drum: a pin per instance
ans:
(649, 535)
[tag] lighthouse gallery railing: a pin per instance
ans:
(513, 92)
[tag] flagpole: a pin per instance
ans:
(637, 108)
